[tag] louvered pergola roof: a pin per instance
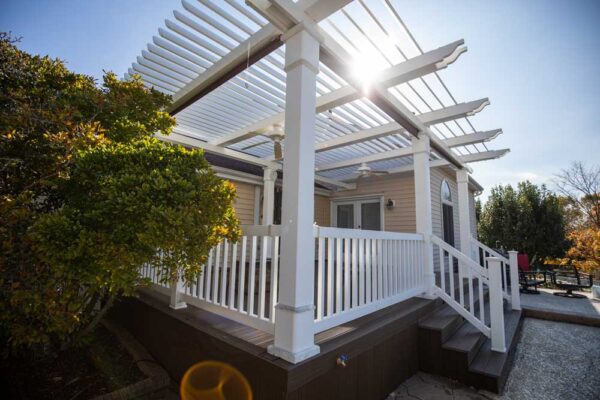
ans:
(223, 64)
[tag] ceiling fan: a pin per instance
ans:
(364, 171)
(275, 134)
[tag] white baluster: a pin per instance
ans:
(330, 263)
(496, 305)
(232, 273)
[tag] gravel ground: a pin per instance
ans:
(553, 360)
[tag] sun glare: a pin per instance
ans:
(366, 68)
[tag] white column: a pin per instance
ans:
(462, 179)
(496, 304)
(464, 214)
(421, 151)
(515, 295)
(294, 315)
(269, 178)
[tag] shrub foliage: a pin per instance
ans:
(88, 195)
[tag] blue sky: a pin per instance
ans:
(537, 60)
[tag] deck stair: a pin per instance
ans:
(450, 346)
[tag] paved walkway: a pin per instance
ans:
(547, 301)
(553, 360)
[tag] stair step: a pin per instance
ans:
(467, 339)
(492, 363)
(445, 320)
(453, 347)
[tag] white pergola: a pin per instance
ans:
(350, 85)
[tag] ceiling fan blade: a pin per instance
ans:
(380, 172)
(277, 150)
(256, 144)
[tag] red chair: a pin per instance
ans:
(527, 277)
(523, 262)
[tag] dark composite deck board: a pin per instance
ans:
(382, 348)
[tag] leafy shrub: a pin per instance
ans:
(88, 195)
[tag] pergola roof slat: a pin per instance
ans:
(223, 64)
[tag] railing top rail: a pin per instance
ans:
(261, 230)
(460, 256)
(492, 252)
(322, 231)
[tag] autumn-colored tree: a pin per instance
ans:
(88, 195)
(579, 186)
(584, 253)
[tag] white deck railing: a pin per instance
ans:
(239, 280)
(360, 271)
(356, 273)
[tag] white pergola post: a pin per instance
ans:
(269, 178)
(294, 314)
(464, 214)
(421, 151)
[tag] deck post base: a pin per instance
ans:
(294, 357)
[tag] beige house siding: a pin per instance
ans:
(322, 210)
(244, 202)
(398, 187)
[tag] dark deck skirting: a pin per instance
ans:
(382, 349)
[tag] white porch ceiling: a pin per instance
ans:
(202, 33)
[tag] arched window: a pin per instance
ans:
(447, 213)
(446, 193)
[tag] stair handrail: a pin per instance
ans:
(504, 263)
(463, 258)
(493, 253)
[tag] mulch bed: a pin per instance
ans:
(100, 367)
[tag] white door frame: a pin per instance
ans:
(356, 201)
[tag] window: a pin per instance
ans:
(447, 213)
(446, 193)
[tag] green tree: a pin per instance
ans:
(529, 219)
(88, 195)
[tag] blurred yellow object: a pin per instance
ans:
(214, 380)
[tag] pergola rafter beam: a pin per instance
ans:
(484, 155)
(473, 138)
(403, 72)
(428, 118)
(456, 111)
(386, 155)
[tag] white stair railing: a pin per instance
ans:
(477, 280)
(508, 267)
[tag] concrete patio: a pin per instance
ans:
(547, 306)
